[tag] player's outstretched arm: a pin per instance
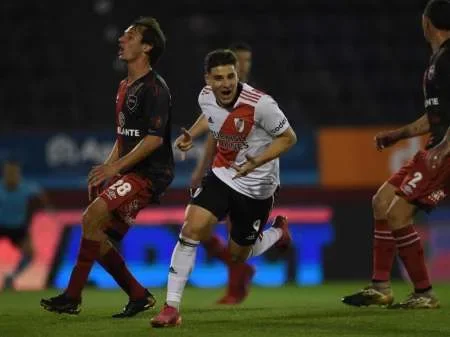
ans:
(185, 141)
(200, 127)
(419, 127)
(281, 144)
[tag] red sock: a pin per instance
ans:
(411, 252)
(114, 264)
(216, 248)
(383, 251)
(88, 253)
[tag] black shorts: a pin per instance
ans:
(15, 235)
(247, 215)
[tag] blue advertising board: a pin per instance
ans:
(63, 160)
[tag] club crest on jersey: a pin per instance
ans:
(431, 72)
(239, 124)
(132, 102)
(121, 119)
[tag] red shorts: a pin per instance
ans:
(420, 185)
(125, 196)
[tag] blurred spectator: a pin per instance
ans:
(17, 205)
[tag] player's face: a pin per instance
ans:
(11, 175)
(245, 64)
(223, 81)
(130, 46)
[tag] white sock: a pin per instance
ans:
(181, 265)
(269, 238)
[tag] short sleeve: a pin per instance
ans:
(270, 117)
(157, 106)
(443, 72)
(202, 97)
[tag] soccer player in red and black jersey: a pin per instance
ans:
(239, 274)
(137, 171)
(420, 184)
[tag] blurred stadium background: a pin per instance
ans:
(341, 70)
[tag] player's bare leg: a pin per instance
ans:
(379, 291)
(26, 249)
(400, 219)
(95, 218)
(197, 227)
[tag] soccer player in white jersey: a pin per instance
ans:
(248, 132)
(239, 274)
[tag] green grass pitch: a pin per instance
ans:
(275, 312)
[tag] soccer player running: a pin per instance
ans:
(137, 171)
(248, 132)
(239, 274)
(420, 184)
(17, 201)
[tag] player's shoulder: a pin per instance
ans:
(443, 56)
(251, 95)
(205, 95)
(161, 82)
(155, 85)
(257, 98)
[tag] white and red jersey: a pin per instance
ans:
(248, 129)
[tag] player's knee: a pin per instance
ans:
(90, 223)
(198, 224)
(195, 231)
(396, 219)
(87, 219)
(239, 257)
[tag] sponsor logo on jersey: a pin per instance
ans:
(239, 124)
(210, 120)
(128, 132)
(279, 127)
(434, 101)
(230, 142)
